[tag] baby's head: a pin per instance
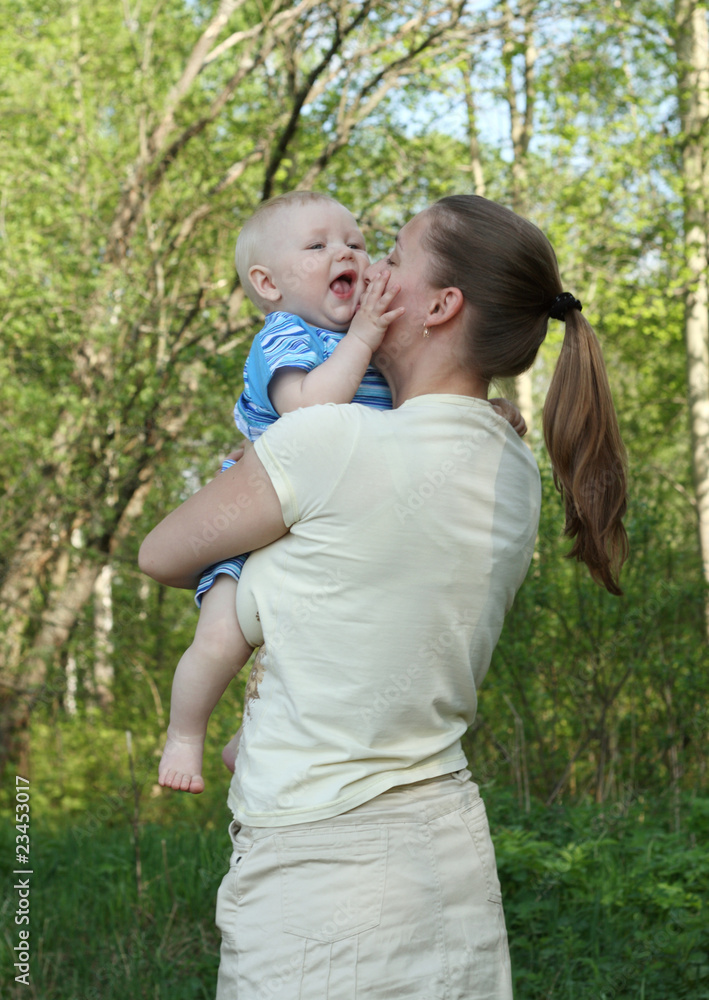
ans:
(303, 253)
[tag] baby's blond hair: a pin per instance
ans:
(251, 248)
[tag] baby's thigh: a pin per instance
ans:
(218, 633)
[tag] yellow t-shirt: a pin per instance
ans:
(410, 533)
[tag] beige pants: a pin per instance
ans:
(397, 899)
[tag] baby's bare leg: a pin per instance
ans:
(218, 651)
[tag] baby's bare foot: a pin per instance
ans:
(230, 751)
(180, 767)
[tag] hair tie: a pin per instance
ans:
(561, 305)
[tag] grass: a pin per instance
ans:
(600, 903)
(95, 936)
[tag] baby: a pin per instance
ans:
(301, 259)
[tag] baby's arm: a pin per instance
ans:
(511, 413)
(337, 379)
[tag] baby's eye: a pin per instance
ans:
(316, 246)
(357, 246)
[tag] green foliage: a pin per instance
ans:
(605, 902)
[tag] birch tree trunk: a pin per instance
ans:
(103, 638)
(692, 45)
(476, 167)
(521, 128)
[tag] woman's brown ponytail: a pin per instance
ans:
(587, 454)
(507, 271)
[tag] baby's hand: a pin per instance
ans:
(511, 413)
(374, 316)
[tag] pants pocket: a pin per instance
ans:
(332, 883)
(227, 904)
(475, 819)
(228, 892)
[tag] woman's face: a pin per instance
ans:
(409, 266)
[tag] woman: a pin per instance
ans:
(362, 864)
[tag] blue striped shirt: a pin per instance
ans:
(286, 341)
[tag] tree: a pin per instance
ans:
(692, 45)
(520, 42)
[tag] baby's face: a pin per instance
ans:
(317, 258)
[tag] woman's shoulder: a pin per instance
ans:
(325, 417)
(315, 434)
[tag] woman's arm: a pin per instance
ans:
(237, 512)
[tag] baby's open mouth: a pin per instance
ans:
(344, 284)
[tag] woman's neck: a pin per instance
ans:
(412, 381)
(414, 365)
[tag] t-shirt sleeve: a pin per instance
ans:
(305, 455)
(284, 342)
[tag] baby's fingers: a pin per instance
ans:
(377, 285)
(389, 317)
(378, 295)
(390, 293)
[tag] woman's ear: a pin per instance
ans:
(262, 280)
(446, 304)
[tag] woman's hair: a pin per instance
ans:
(507, 271)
